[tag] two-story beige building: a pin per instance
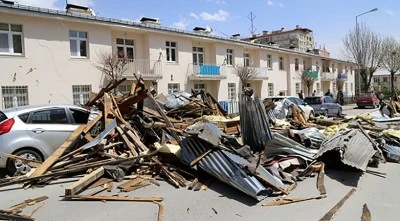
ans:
(49, 56)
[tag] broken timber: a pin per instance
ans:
(329, 215)
(84, 182)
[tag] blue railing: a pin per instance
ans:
(209, 70)
(342, 76)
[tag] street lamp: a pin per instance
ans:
(358, 45)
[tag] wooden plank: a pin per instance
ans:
(116, 198)
(72, 139)
(33, 163)
(106, 110)
(4, 215)
(124, 106)
(132, 182)
(284, 201)
(84, 182)
(16, 208)
(127, 141)
(100, 182)
(329, 215)
(136, 139)
(160, 211)
(197, 159)
(109, 88)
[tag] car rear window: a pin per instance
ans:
(80, 117)
(3, 117)
(366, 95)
(312, 100)
(24, 117)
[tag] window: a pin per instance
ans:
(229, 56)
(246, 60)
(385, 79)
(297, 88)
(125, 48)
(10, 39)
(171, 51)
(334, 87)
(296, 64)
(50, 116)
(231, 91)
(81, 93)
(317, 65)
(318, 88)
(345, 87)
(14, 96)
(248, 85)
(198, 56)
(199, 87)
(281, 63)
(23, 117)
(270, 89)
(80, 117)
(304, 64)
(78, 43)
(376, 80)
(173, 88)
(124, 88)
(269, 61)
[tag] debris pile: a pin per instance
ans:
(187, 140)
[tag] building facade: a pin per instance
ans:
(50, 56)
(382, 82)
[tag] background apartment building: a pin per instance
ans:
(49, 56)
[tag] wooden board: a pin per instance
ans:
(72, 139)
(84, 182)
(116, 198)
(127, 141)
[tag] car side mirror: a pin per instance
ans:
(305, 103)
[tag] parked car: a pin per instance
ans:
(324, 105)
(35, 132)
(367, 99)
(308, 110)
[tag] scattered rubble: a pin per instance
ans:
(187, 140)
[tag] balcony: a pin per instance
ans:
(342, 76)
(148, 69)
(262, 74)
(328, 76)
(206, 72)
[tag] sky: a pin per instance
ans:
(330, 20)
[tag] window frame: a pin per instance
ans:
(78, 43)
(81, 91)
(270, 89)
(198, 53)
(18, 91)
(281, 64)
(197, 89)
(269, 62)
(10, 39)
(229, 57)
(171, 90)
(67, 117)
(232, 93)
(168, 52)
(246, 60)
(125, 47)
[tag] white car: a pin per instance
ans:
(308, 110)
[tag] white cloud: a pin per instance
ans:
(269, 2)
(221, 15)
(86, 3)
(182, 24)
(273, 3)
(39, 3)
(194, 16)
(218, 2)
(389, 12)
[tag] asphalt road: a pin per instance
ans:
(222, 202)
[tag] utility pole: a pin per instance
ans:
(252, 29)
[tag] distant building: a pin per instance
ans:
(381, 80)
(298, 38)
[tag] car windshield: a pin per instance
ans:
(312, 100)
(3, 117)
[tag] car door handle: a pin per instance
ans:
(38, 130)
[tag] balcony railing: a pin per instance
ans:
(206, 71)
(148, 69)
(328, 76)
(342, 76)
(262, 74)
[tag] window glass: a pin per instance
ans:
(83, 49)
(2, 117)
(4, 43)
(73, 34)
(73, 46)
(80, 117)
(16, 28)
(129, 52)
(52, 116)
(120, 41)
(82, 34)
(17, 43)
(4, 27)
(128, 42)
(23, 117)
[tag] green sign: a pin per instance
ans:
(313, 74)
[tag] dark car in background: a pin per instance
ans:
(367, 99)
(324, 105)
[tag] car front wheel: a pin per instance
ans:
(18, 166)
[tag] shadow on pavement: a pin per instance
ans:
(229, 192)
(347, 178)
(3, 173)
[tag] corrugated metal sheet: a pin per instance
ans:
(222, 167)
(254, 123)
(392, 152)
(281, 145)
(353, 146)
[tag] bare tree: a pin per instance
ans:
(112, 65)
(245, 74)
(339, 84)
(364, 47)
(308, 78)
(391, 59)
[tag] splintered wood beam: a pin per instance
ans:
(107, 109)
(366, 214)
(127, 141)
(84, 182)
(329, 215)
(115, 198)
(26, 203)
(68, 144)
(4, 215)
